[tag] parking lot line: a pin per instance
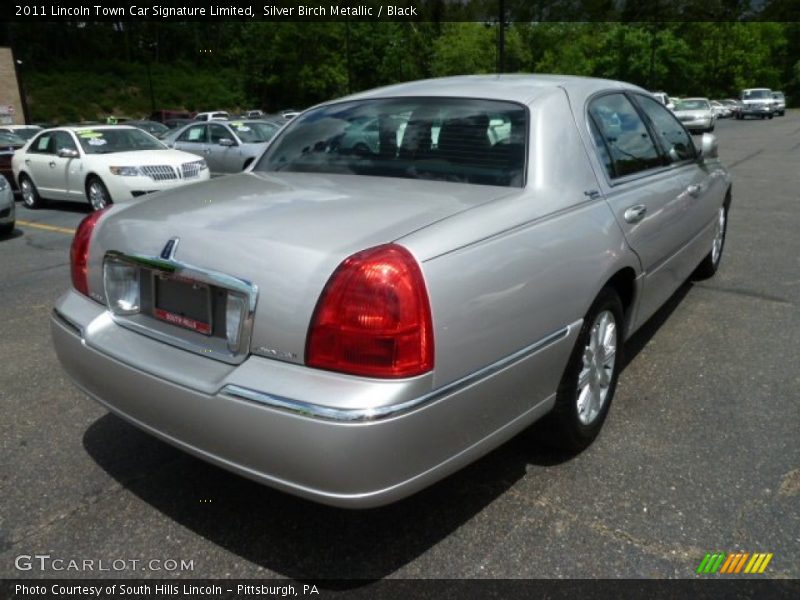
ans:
(46, 227)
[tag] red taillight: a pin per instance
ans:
(79, 252)
(373, 318)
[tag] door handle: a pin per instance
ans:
(634, 214)
(27, 161)
(52, 165)
(694, 190)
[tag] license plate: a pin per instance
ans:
(184, 303)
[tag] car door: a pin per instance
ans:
(222, 158)
(647, 195)
(39, 164)
(705, 180)
(193, 139)
(66, 171)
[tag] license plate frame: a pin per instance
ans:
(166, 311)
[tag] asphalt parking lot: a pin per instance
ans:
(701, 452)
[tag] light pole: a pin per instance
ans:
(23, 95)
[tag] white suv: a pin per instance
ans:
(757, 102)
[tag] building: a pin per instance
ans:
(11, 110)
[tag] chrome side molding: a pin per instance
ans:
(356, 415)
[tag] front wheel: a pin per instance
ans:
(710, 264)
(6, 228)
(97, 194)
(587, 387)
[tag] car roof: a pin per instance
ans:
(514, 87)
(695, 98)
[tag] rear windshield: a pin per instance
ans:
(443, 139)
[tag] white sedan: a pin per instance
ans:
(100, 165)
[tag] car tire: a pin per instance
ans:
(708, 267)
(30, 195)
(587, 386)
(6, 228)
(97, 194)
(770, 117)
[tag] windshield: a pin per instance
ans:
(692, 105)
(10, 139)
(106, 141)
(444, 139)
(756, 95)
(253, 132)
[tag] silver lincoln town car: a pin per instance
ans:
(353, 325)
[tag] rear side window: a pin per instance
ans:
(625, 136)
(443, 139)
(674, 138)
(43, 144)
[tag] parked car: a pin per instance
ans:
(757, 102)
(720, 110)
(212, 116)
(780, 103)
(735, 106)
(26, 132)
(101, 165)
(9, 143)
(176, 123)
(162, 116)
(255, 114)
(664, 99)
(227, 146)
(154, 128)
(7, 217)
(696, 114)
(352, 329)
(289, 113)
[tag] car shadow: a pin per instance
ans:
(15, 233)
(303, 540)
(67, 206)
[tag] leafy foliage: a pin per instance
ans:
(239, 65)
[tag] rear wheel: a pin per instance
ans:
(587, 387)
(30, 195)
(710, 264)
(97, 194)
(6, 228)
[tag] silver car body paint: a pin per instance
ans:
(510, 272)
(7, 209)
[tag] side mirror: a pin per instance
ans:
(68, 153)
(709, 148)
(227, 142)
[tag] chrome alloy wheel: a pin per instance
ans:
(98, 196)
(599, 357)
(28, 195)
(719, 237)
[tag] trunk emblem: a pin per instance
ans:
(170, 248)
